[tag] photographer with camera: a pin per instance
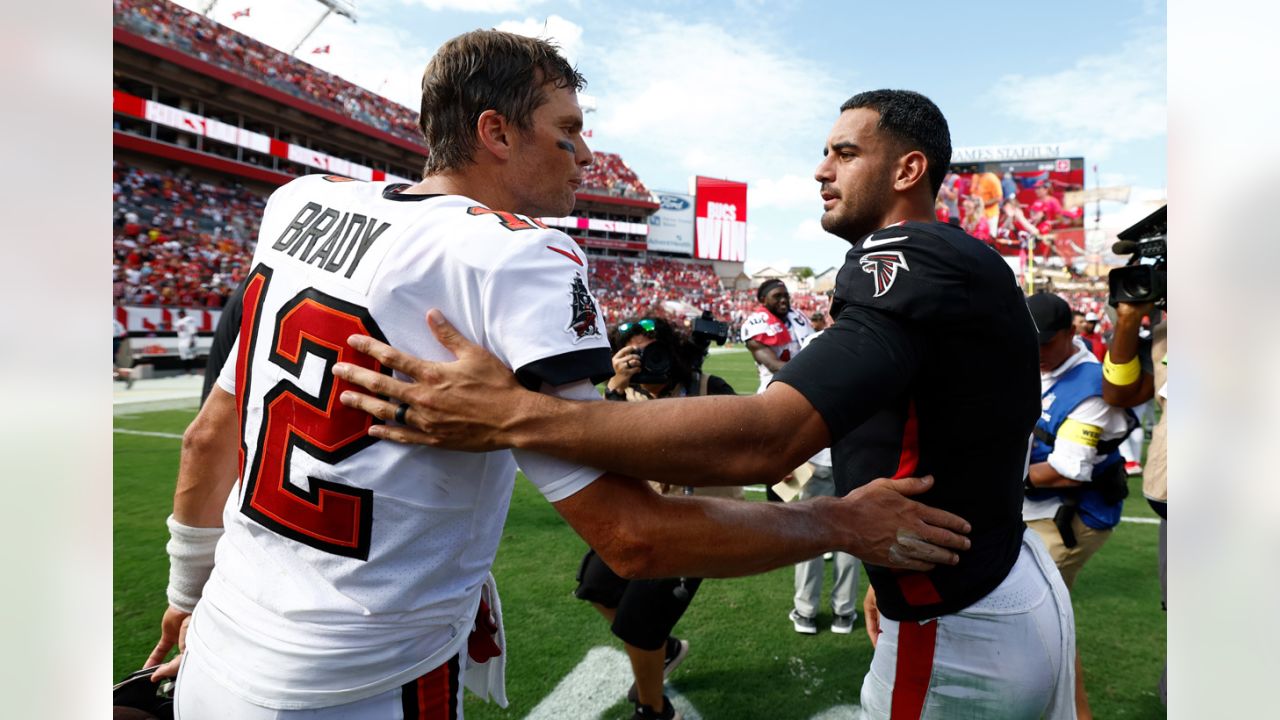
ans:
(1135, 371)
(652, 361)
(1076, 483)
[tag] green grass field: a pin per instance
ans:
(745, 660)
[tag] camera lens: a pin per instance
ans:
(655, 364)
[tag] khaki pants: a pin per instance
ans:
(1069, 560)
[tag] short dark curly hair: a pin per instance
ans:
(485, 70)
(915, 122)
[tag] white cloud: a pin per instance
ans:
(1102, 99)
(564, 33)
(702, 100)
(787, 191)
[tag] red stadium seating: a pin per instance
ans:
(180, 241)
(176, 27)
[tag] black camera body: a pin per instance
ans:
(656, 360)
(1138, 281)
(706, 330)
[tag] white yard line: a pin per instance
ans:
(126, 431)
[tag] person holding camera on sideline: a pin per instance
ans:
(1130, 378)
(652, 360)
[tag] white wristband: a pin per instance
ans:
(190, 562)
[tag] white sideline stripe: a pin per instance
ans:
(603, 677)
(1136, 520)
(594, 686)
(126, 431)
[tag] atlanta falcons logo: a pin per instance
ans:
(883, 267)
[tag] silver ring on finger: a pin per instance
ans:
(401, 412)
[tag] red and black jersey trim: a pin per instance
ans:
(594, 364)
(433, 696)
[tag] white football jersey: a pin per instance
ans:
(349, 565)
(763, 324)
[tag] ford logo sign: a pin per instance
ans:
(674, 202)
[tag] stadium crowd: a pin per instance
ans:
(177, 240)
(610, 175)
(176, 27)
(664, 287)
(1007, 211)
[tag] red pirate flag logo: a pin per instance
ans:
(583, 312)
(883, 266)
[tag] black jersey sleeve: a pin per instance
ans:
(594, 364)
(224, 336)
(860, 364)
(909, 271)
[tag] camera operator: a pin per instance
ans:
(1130, 378)
(1135, 371)
(652, 360)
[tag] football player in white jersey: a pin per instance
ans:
(352, 572)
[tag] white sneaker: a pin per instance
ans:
(803, 624)
(843, 624)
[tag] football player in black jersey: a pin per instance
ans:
(930, 368)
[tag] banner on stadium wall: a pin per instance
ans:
(720, 219)
(144, 319)
(189, 122)
(671, 228)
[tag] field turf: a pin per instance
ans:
(745, 660)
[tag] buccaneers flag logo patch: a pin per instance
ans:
(883, 267)
(583, 313)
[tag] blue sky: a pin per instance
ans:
(748, 90)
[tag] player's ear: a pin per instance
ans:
(494, 133)
(913, 168)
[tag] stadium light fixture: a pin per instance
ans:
(345, 8)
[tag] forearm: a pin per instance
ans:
(1043, 476)
(209, 464)
(1124, 341)
(1124, 350)
(725, 440)
(710, 537)
(764, 355)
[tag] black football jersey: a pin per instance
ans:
(931, 367)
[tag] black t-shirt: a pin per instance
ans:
(931, 367)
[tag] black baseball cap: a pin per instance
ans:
(1051, 313)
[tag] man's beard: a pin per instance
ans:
(859, 220)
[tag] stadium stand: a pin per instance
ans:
(610, 175)
(176, 27)
(178, 241)
(636, 288)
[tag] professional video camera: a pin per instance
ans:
(706, 329)
(1145, 278)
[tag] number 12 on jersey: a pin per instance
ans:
(329, 516)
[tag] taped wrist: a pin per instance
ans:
(1125, 374)
(190, 562)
